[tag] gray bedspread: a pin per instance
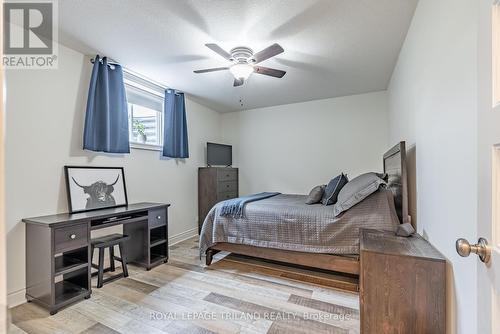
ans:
(286, 222)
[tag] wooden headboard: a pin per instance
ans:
(395, 167)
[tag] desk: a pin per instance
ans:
(58, 258)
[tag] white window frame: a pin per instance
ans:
(135, 81)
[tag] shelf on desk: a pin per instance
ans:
(158, 253)
(157, 258)
(157, 234)
(65, 291)
(68, 265)
(157, 242)
(73, 285)
(71, 261)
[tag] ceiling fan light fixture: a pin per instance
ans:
(241, 71)
(243, 62)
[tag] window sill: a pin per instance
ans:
(147, 147)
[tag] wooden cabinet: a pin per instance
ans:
(215, 185)
(402, 285)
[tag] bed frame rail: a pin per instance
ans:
(331, 262)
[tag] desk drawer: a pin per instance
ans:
(226, 196)
(70, 237)
(227, 174)
(227, 186)
(157, 217)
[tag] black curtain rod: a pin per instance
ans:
(112, 63)
(92, 60)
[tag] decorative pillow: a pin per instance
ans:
(315, 195)
(333, 188)
(357, 190)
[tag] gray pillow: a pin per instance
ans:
(333, 188)
(357, 190)
(315, 194)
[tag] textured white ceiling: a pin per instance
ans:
(332, 47)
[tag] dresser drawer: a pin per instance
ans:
(70, 237)
(227, 186)
(226, 196)
(157, 217)
(227, 174)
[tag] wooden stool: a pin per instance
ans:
(109, 241)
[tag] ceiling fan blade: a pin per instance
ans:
(212, 69)
(267, 53)
(269, 71)
(217, 49)
(238, 82)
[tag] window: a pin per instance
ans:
(145, 111)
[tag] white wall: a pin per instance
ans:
(291, 148)
(45, 113)
(433, 106)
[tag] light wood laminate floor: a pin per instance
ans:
(233, 295)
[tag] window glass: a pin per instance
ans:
(145, 109)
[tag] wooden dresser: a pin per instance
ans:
(215, 184)
(402, 284)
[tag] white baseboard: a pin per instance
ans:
(175, 239)
(19, 297)
(16, 298)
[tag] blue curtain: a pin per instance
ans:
(175, 136)
(106, 119)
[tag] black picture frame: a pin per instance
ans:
(71, 204)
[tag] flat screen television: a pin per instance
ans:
(219, 154)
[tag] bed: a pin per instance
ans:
(282, 228)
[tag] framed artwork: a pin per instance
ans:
(93, 188)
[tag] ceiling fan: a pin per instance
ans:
(244, 62)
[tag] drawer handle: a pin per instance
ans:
(158, 217)
(227, 175)
(72, 236)
(227, 185)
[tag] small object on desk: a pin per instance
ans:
(405, 230)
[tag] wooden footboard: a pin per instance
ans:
(314, 260)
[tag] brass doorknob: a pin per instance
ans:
(464, 248)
